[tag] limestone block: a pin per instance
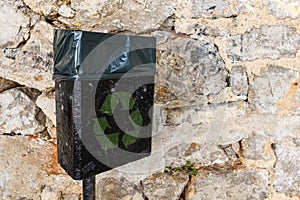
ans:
(33, 66)
(29, 170)
(18, 113)
(199, 155)
(290, 103)
(46, 102)
(47, 8)
(119, 15)
(239, 80)
(256, 147)
(212, 9)
(215, 8)
(14, 24)
(284, 9)
(204, 114)
(112, 188)
(164, 186)
(260, 43)
(269, 88)
(66, 11)
(196, 28)
(287, 168)
(191, 69)
(231, 184)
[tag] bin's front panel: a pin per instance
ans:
(117, 128)
(107, 127)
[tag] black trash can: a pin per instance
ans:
(104, 86)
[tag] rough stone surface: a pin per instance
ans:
(10, 52)
(46, 102)
(33, 171)
(283, 9)
(243, 126)
(164, 186)
(256, 147)
(13, 24)
(290, 103)
(212, 9)
(263, 43)
(191, 68)
(112, 188)
(18, 113)
(226, 95)
(47, 8)
(239, 80)
(236, 184)
(287, 167)
(205, 65)
(33, 65)
(199, 155)
(66, 11)
(269, 88)
(110, 16)
(204, 114)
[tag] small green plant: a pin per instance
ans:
(189, 168)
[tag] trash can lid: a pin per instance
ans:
(90, 55)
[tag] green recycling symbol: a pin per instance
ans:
(111, 140)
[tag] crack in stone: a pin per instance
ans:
(26, 10)
(11, 134)
(32, 93)
(6, 84)
(272, 171)
(168, 24)
(229, 152)
(142, 190)
(240, 151)
(11, 51)
(248, 90)
(186, 189)
(273, 147)
(224, 169)
(41, 118)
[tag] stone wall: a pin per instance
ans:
(227, 102)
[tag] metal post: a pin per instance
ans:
(89, 192)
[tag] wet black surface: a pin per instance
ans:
(79, 105)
